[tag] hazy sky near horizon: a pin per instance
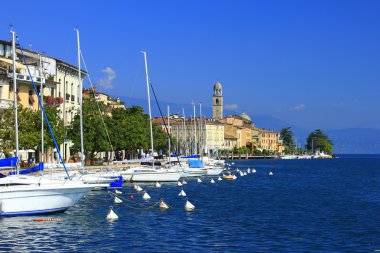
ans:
(311, 63)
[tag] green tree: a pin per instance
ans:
(318, 140)
(94, 135)
(287, 137)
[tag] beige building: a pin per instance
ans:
(270, 140)
(240, 128)
(209, 138)
(59, 80)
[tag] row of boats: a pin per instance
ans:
(48, 189)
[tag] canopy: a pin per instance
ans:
(196, 164)
(9, 162)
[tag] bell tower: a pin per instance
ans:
(217, 102)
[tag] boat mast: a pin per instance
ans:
(184, 131)
(15, 95)
(169, 133)
(200, 131)
(42, 113)
(80, 103)
(195, 132)
(150, 113)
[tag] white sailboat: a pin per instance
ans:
(152, 174)
(28, 195)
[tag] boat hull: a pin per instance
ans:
(155, 176)
(29, 200)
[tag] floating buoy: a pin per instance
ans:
(232, 163)
(237, 170)
(158, 185)
(244, 173)
(241, 174)
(179, 184)
(135, 186)
(253, 171)
(117, 200)
(248, 170)
(47, 219)
(234, 177)
(163, 205)
(220, 179)
(131, 197)
(199, 180)
(118, 192)
(189, 206)
(138, 188)
(184, 181)
(182, 194)
(112, 215)
(146, 196)
(212, 181)
(270, 173)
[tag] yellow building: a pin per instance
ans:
(270, 140)
(192, 138)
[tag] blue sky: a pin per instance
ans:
(314, 64)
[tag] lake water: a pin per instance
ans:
(330, 205)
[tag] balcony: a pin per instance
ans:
(26, 78)
(67, 97)
(5, 103)
(72, 98)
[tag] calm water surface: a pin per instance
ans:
(306, 206)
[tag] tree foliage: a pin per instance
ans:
(29, 129)
(287, 137)
(317, 140)
(94, 135)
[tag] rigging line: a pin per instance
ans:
(166, 127)
(97, 102)
(43, 110)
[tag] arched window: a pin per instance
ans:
(217, 101)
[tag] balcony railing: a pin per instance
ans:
(26, 78)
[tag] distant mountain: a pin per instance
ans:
(346, 141)
(355, 140)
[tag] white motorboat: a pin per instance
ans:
(28, 195)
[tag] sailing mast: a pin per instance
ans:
(150, 113)
(184, 132)
(169, 134)
(200, 132)
(15, 96)
(42, 113)
(195, 132)
(80, 103)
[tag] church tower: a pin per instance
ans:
(217, 102)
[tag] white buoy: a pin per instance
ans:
(158, 185)
(248, 170)
(199, 180)
(253, 170)
(212, 181)
(189, 206)
(146, 196)
(234, 177)
(270, 173)
(179, 184)
(111, 215)
(163, 205)
(135, 186)
(184, 181)
(118, 192)
(241, 174)
(138, 188)
(237, 170)
(245, 173)
(117, 200)
(220, 179)
(182, 194)
(232, 163)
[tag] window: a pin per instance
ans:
(52, 92)
(8, 51)
(2, 50)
